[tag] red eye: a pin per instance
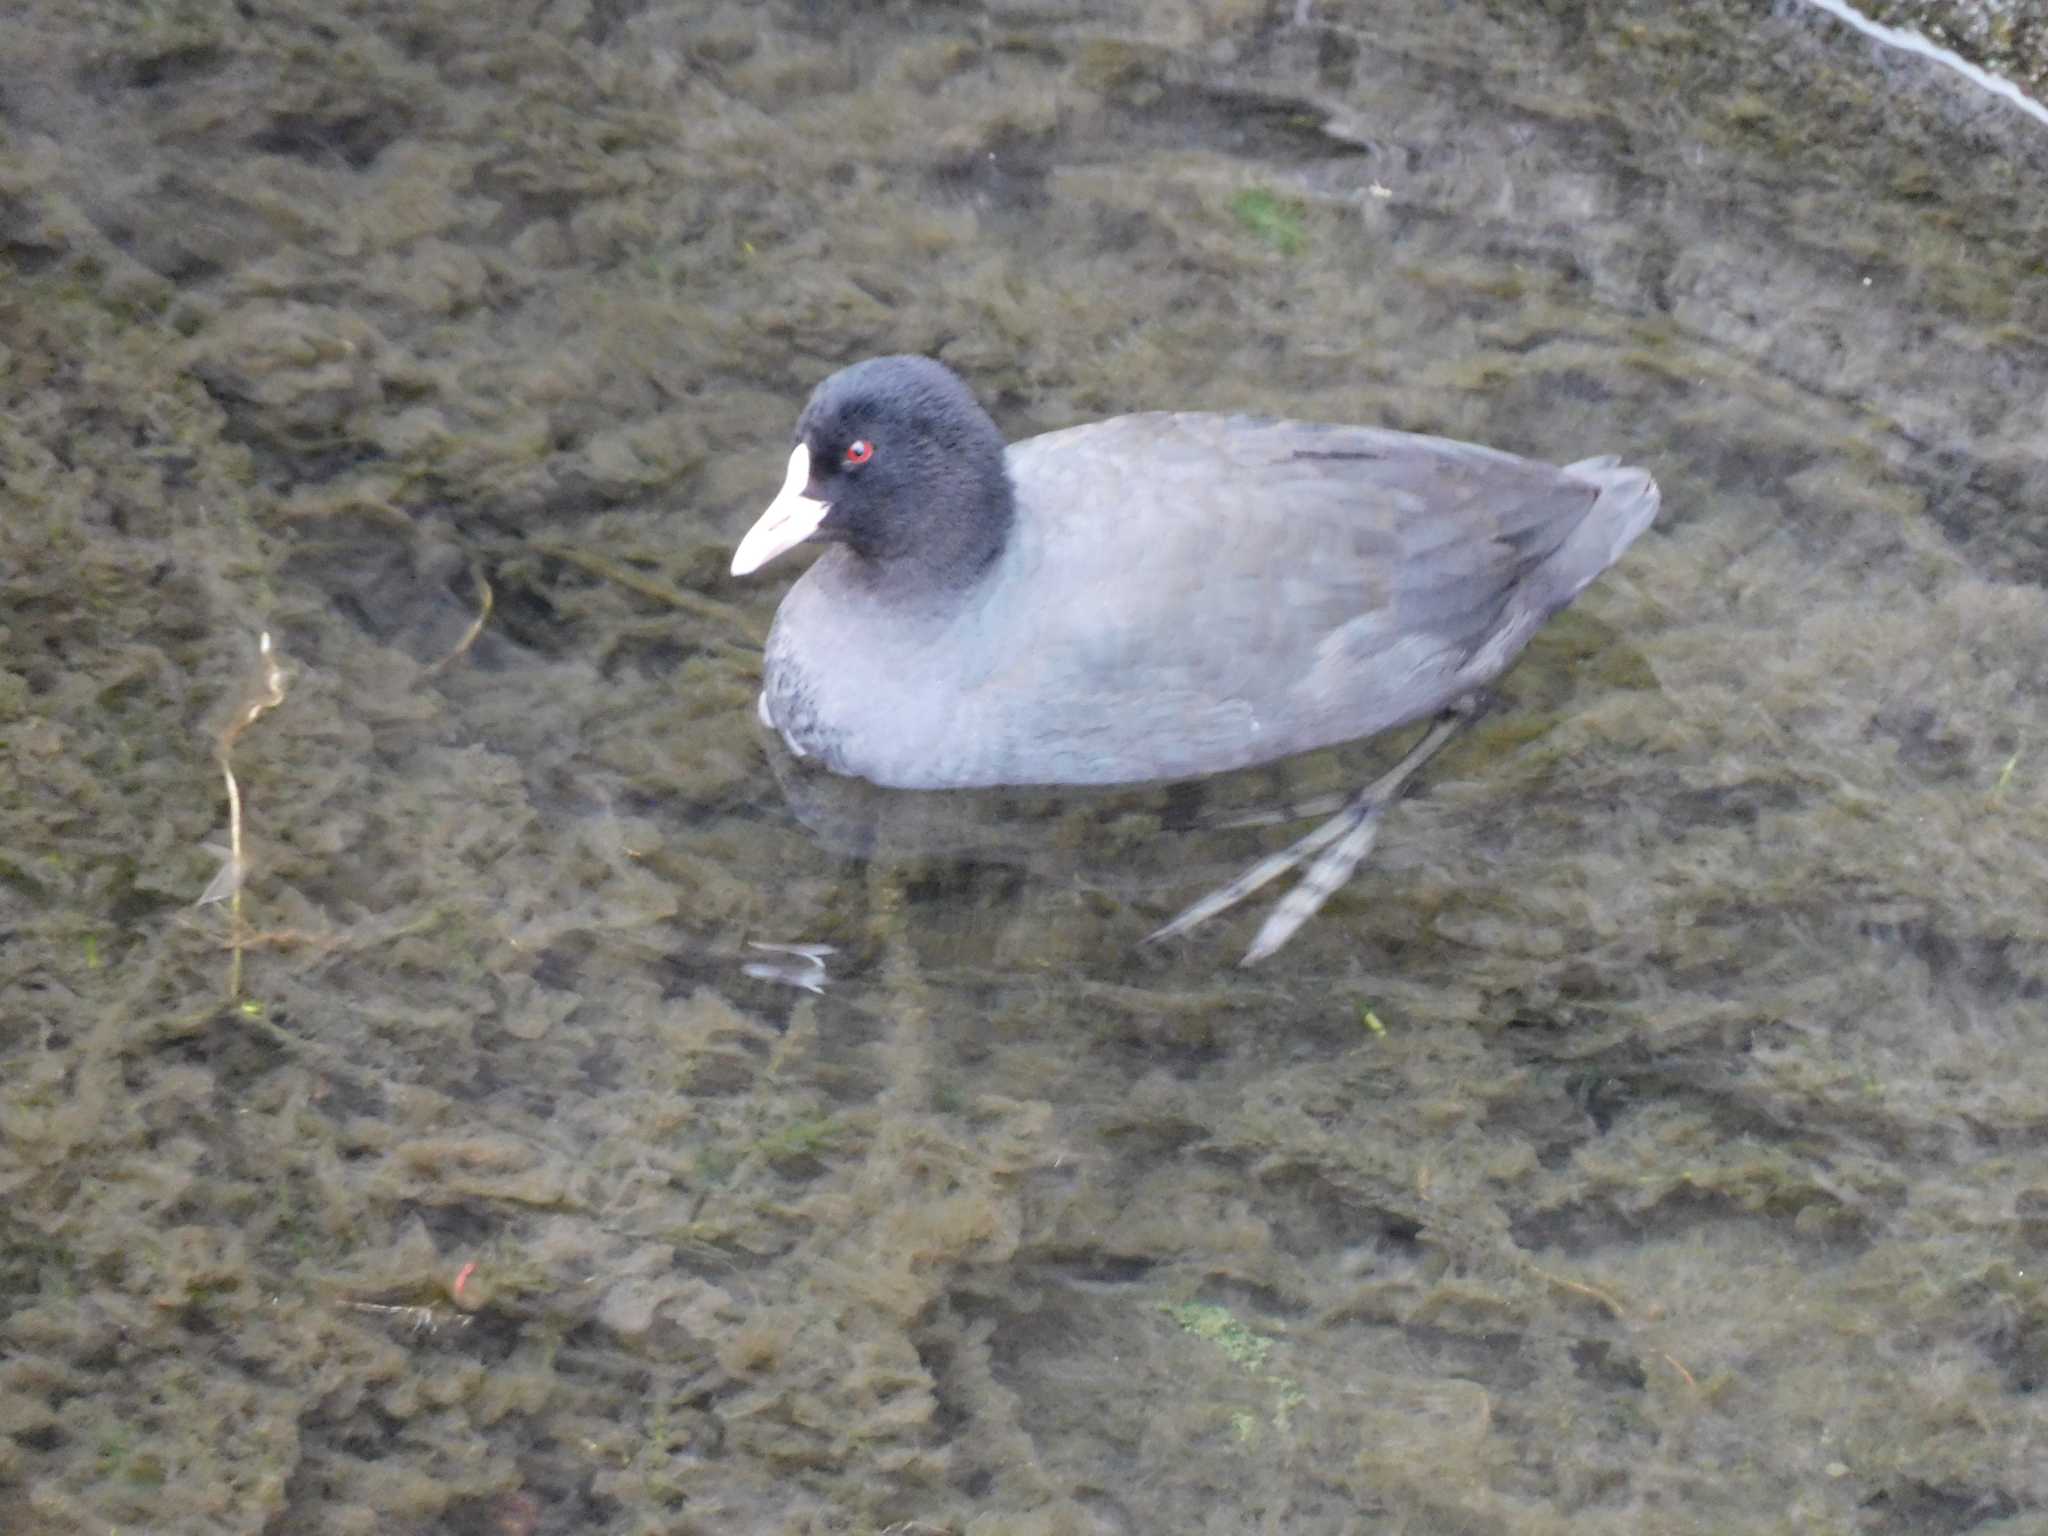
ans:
(859, 451)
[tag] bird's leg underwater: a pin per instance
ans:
(1337, 847)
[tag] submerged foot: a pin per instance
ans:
(1332, 851)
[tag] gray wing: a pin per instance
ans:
(1259, 587)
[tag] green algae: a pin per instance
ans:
(1276, 221)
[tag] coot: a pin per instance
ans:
(1156, 596)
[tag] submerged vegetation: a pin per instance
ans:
(1694, 1180)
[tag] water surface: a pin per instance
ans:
(1655, 1135)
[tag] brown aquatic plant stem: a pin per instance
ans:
(680, 598)
(267, 695)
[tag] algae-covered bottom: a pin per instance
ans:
(1649, 1138)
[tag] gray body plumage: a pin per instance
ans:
(1181, 594)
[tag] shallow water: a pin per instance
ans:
(1654, 1136)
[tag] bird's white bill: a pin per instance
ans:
(791, 518)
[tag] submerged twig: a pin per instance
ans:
(1673, 1363)
(1580, 1288)
(476, 627)
(267, 695)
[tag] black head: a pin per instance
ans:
(909, 467)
